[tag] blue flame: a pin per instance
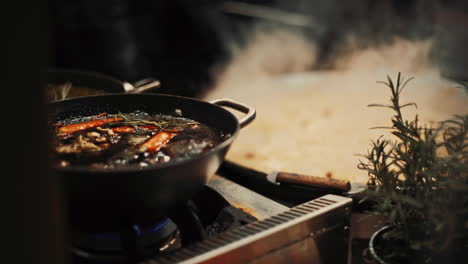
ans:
(140, 231)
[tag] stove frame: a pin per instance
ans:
(317, 231)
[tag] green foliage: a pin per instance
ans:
(418, 179)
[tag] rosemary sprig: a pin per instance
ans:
(162, 125)
(419, 179)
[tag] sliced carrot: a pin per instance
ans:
(123, 129)
(87, 125)
(158, 141)
(149, 127)
(100, 115)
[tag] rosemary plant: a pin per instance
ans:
(418, 180)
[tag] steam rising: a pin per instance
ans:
(316, 121)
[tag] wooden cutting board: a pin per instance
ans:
(317, 123)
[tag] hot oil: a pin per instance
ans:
(125, 149)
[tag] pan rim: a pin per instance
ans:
(102, 171)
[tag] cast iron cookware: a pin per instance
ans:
(100, 83)
(106, 199)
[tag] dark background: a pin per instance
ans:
(174, 41)
(31, 213)
(181, 41)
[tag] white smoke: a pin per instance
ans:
(315, 122)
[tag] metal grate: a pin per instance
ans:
(253, 231)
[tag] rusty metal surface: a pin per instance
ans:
(244, 199)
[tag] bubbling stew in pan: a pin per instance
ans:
(136, 139)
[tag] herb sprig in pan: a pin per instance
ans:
(164, 125)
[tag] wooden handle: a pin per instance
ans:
(313, 181)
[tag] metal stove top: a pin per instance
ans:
(233, 224)
(245, 199)
(317, 231)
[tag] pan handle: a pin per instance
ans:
(249, 111)
(141, 86)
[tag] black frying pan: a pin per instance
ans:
(93, 83)
(101, 199)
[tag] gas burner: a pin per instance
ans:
(206, 215)
(134, 242)
(226, 223)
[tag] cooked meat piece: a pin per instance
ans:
(186, 147)
(81, 144)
